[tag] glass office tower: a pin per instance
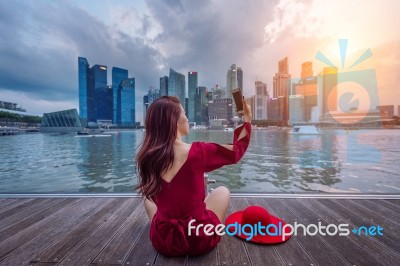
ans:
(192, 86)
(126, 103)
(103, 97)
(176, 85)
(118, 75)
(86, 93)
(164, 86)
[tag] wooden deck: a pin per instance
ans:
(114, 231)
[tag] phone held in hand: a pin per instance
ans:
(237, 97)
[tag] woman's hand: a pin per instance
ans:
(246, 113)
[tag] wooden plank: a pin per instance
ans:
(48, 208)
(87, 251)
(122, 243)
(81, 232)
(291, 251)
(142, 252)
(4, 202)
(8, 204)
(170, 261)
(361, 217)
(230, 250)
(210, 258)
(48, 231)
(291, 210)
(381, 208)
(392, 204)
(257, 254)
(23, 210)
(358, 250)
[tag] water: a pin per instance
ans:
(360, 161)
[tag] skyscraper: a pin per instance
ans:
(164, 86)
(308, 87)
(126, 110)
(281, 78)
(329, 89)
(176, 85)
(281, 87)
(234, 80)
(306, 70)
(103, 97)
(86, 93)
(98, 101)
(118, 75)
(148, 99)
(296, 107)
(200, 106)
(261, 101)
(192, 87)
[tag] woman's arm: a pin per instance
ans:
(247, 116)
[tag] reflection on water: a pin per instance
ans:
(336, 161)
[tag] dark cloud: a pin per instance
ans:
(209, 36)
(39, 50)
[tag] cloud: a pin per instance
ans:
(209, 36)
(39, 53)
(41, 40)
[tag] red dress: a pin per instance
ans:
(182, 199)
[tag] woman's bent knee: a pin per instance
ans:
(223, 191)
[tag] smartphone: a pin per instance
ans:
(237, 97)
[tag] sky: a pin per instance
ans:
(41, 41)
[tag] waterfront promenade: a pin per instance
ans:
(113, 230)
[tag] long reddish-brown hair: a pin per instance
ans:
(156, 154)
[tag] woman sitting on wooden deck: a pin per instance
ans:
(172, 182)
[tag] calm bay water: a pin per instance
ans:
(365, 161)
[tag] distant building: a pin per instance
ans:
(261, 101)
(234, 80)
(145, 107)
(220, 109)
(100, 102)
(296, 107)
(86, 91)
(281, 87)
(148, 99)
(126, 103)
(11, 106)
(118, 75)
(308, 87)
(200, 106)
(164, 86)
(357, 118)
(278, 109)
(192, 91)
(329, 91)
(386, 111)
(176, 85)
(66, 121)
(281, 79)
(218, 92)
(252, 102)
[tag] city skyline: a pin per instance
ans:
(39, 50)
